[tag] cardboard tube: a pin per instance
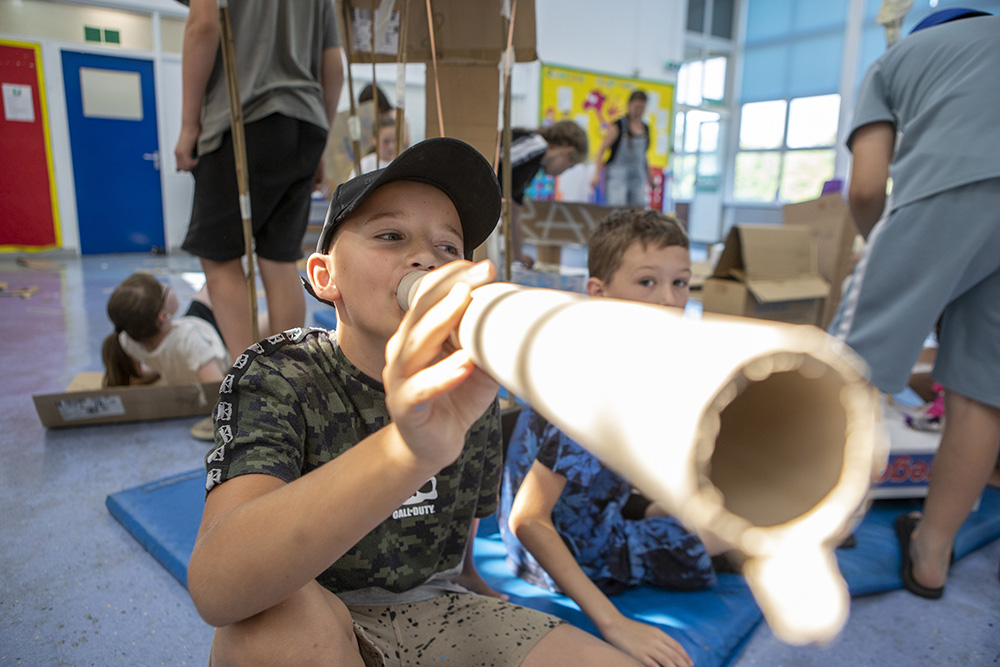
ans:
(762, 434)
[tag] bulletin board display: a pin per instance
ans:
(28, 213)
(595, 101)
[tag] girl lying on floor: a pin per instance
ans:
(150, 344)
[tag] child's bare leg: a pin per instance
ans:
(964, 461)
(286, 301)
(227, 287)
(313, 627)
(569, 645)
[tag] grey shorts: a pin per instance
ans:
(933, 262)
(454, 629)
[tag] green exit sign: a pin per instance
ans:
(105, 35)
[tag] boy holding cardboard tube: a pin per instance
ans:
(561, 510)
(349, 467)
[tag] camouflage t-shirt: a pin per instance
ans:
(293, 402)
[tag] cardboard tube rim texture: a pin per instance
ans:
(506, 323)
(692, 495)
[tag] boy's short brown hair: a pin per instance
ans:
(567, 133)
(624, 227)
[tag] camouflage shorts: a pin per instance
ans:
(455, 629)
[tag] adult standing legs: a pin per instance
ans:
(963, 463)
(227, 288)
(286, 301)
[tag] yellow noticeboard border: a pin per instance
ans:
(44, 106)
(595, 100)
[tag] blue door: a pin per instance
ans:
(111, 107)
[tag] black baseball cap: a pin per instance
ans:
(450, 165)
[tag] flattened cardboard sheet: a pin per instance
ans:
(85, 402)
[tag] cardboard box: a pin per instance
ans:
(85, 402)
(768, 272)
(829, 220)
(908, 469)
(464, 32)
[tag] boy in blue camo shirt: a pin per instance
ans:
(561, 510)
(349, 468)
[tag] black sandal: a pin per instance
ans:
(904, 531)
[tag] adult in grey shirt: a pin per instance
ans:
(290, 73)
(927, 115)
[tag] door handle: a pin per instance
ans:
(155, 157)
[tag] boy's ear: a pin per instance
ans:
(595, 287)
(319, 268)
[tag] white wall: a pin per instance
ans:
(625, 37)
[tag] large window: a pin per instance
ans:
(701, 87)
(786, 148)
(789, 102)
(696, 150)
(702, 97)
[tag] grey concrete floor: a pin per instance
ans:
(78, 590)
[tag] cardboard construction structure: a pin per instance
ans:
(464, 32)
(468, 40)
(768, 272)
(85, 402)
(551, 225)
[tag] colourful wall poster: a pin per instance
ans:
(596, 100)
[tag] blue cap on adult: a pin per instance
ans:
(946, 15)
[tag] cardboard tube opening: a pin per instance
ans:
(780, 445)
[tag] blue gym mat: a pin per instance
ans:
(712, 625)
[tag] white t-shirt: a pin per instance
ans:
(190, 344)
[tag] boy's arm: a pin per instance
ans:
(261, 539)
(531, 523)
